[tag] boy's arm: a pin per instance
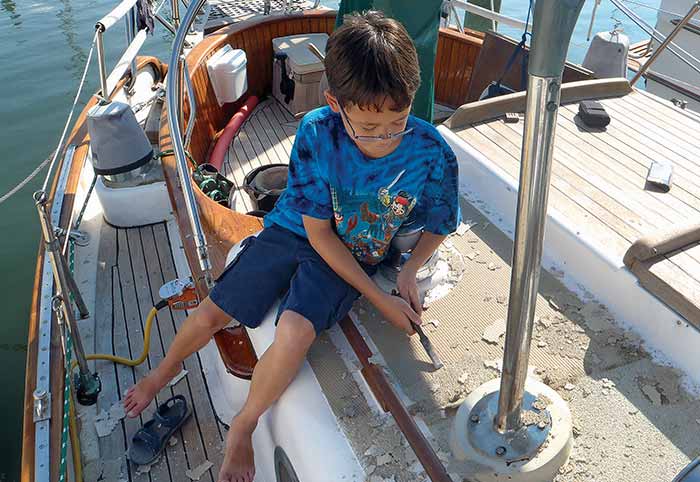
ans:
(327, 244)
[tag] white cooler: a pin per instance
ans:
(297, 73)
(227, 74)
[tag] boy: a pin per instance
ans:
(358, 168)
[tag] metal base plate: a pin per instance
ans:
(512, 446)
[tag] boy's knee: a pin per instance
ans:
(211, 317)
(295, 331)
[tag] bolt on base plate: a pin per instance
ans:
(532, 454)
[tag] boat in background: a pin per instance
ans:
(670, 72)
(612, 319)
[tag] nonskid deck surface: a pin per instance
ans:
(132, 265)
(632, 418)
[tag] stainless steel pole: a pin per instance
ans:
(669, 38)
(53, 249)
(130, 19)
(535, 170)
(174, 102)
(175, 12)
(101, 62)
(553, 26)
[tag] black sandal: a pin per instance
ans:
(150, 440)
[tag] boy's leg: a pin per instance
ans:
(196, 331)
(272, 375)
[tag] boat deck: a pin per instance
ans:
(132, 265)
(599, 176)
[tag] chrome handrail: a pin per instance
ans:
(656, 35)
(490, 15)
(193, 106)
(174, 101)
(134, 42)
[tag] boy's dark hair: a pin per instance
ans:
(371, 58)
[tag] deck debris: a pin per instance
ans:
(493, 267)
(384, 459)
(473, 255)
(177, 378)
(569, 387)
(541, 403)
(464, 227)
(494, 332)
(116, 411)
(197, 472)
(104, 424)
(172, 441)
(607, 383)
(652, 393)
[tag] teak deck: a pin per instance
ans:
(599, 176)
(134, 263)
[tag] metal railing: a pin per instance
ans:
(174, 101)
(676, 30)
(666, 42)
(490, 14)
(128, 59)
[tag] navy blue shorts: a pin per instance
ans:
(280, 263)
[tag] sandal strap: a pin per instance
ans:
(147, 437)
(174, 419)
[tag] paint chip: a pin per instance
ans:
(494, 332)
(464, 227)
(177, 378)
(197, 472)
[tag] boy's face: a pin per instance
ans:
(370, 122)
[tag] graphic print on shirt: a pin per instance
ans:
(366, 222)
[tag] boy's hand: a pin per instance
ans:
(399, 313)
(408, 288)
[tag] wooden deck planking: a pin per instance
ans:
(134, 263)
(623, 166)
(607, 195)
(114, 443)
(598, 177)
(263, 139)
(147, 273)
(122, 348)
(194, 385)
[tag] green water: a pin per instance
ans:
(43, 47)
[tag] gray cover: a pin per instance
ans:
(607, 55)
(117, 141)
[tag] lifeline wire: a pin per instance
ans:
(70, 115)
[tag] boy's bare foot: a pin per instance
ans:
(140, 395)
(239, 463)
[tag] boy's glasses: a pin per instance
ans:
(388, 136)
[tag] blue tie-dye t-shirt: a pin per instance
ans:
(368, 199)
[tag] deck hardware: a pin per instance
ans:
(679, 103)
(42, 405)
(500, 451)
(180, 294)
(474, 418)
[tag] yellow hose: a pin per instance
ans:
(126, 361)
(75, 440)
